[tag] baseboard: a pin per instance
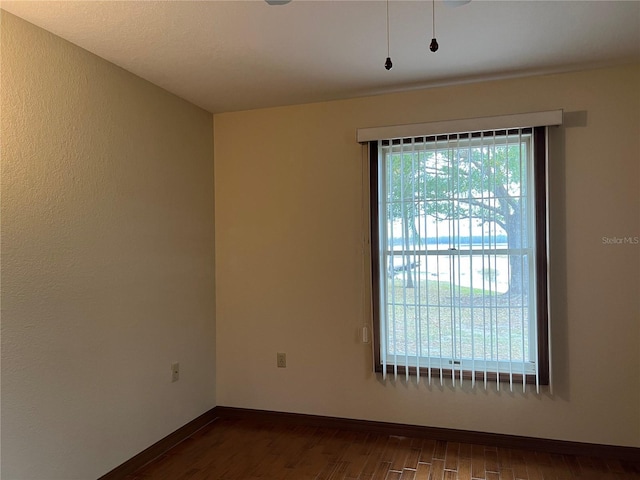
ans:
(629, 454)
(160, 447)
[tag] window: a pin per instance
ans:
(459, 263)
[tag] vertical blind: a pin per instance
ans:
(456, 246)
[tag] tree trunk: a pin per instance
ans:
(514, 238)
(407, 260)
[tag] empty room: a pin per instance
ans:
(320, 239)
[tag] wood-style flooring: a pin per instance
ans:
(246, 449)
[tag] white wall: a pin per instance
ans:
(107, 260)
(289, 262)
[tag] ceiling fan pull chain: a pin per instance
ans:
(388, 64)
(433, 46)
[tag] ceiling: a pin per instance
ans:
(238, 55)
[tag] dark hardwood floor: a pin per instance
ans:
(246, 449)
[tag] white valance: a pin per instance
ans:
(501, 122)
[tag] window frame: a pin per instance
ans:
(539, 158)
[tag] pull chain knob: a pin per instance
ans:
(388, 64)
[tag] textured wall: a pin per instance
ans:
(107, 260)
(289, 229)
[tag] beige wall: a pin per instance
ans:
(289, 262)
(107, 260)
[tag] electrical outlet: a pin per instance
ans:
(175, 372)
(282, 360)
